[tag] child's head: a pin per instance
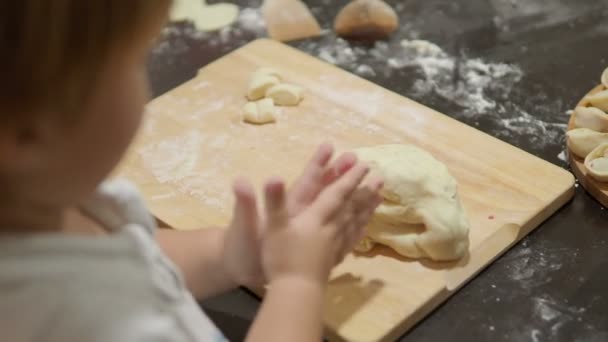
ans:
(72, 92)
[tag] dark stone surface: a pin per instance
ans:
(551, 286)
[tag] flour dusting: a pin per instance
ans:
(173, 159)
(481, 89)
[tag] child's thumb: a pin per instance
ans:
(276, 206)
(245, 215)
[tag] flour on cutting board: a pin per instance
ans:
(481, 88)
(175, 161)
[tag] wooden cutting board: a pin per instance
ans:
(193, 144)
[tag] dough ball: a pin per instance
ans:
(592, 118)
(596, 163)
(259, 84)
(366, 20)
(605, 78)
(265, 71)
(421, 216)
(582, 141)
(599, 100)
(285, 94)
(260, 112)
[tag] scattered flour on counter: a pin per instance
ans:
(483, 90)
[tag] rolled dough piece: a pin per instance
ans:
(605, 78)
(205, 17)
(421, 215)
(599, 100)
(265, 71)
(285, 94)
(592, 118)
(596, 163)
(259, 84)
(260, 112)
(583, 140)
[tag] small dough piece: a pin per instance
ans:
(421, 216)
(599, 100)
(605, 78)
(592, 118)
(582, 141)
(285, 94)
(259, 113)
(596, 163)
(259, 85)
(265, 71)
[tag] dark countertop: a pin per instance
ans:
(551, 286)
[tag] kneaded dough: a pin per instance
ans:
(605, 78)
(260, 112)
(421, 215)
(592, 118)
(599, 100)
(583, 140)
(259, 84)
(285, 94)
(205, 17)
(596, 163)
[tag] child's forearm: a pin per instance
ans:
(292, 311)
(198, 254)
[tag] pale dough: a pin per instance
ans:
(266, 71)
(205, 17)
(592, 118)
(421, 216)
(260, 112)
(597, 163)
(605, 78)
(583, 140)
(285, 94)
(599, 100)
(259, 84)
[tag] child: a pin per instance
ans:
(81, 260)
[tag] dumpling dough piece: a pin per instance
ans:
(592, 118)
(605, 78)
(265, 71)
(599, 100)
(596, 163)
(205, 17)
(285, 94)
(421, 215)
(583, 140)
(259, 84)
(260, 112)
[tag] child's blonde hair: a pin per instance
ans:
(51, 50)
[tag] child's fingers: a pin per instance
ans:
(276, 206)
(336, 195)
(344, 163)
(245, 208)
(311, 181)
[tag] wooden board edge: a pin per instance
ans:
(455, 282)
(274, 43)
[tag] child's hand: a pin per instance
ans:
(309, 244)
(242, 243)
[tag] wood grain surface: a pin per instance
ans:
(194, 143)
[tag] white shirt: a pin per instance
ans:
(121, 287)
